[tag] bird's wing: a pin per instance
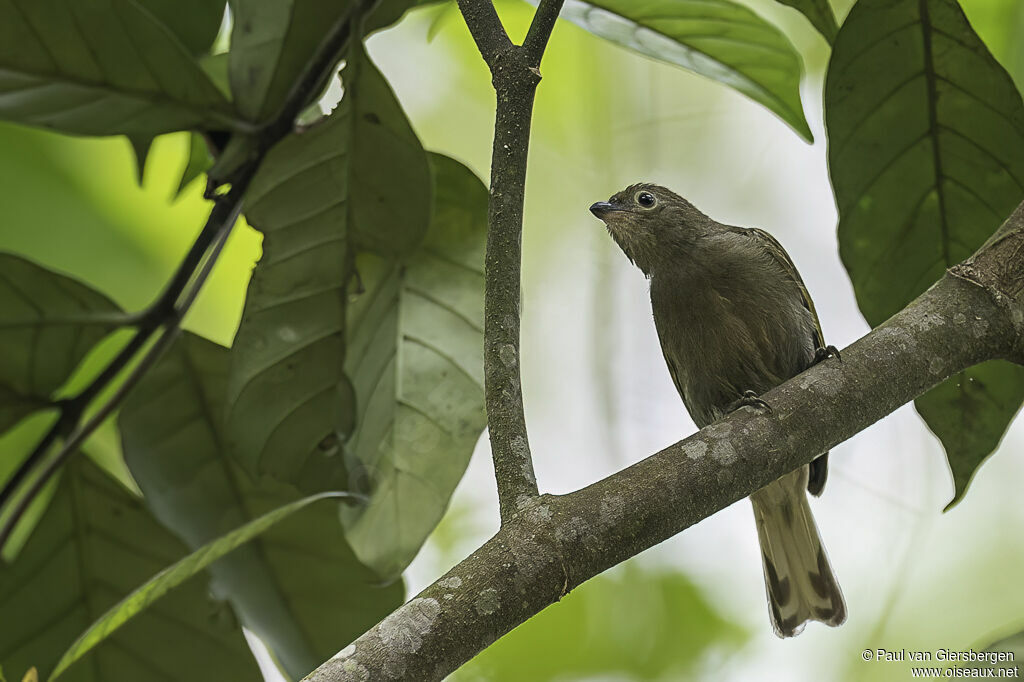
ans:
(773, 247)
(818, 467)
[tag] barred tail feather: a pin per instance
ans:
(797, 575)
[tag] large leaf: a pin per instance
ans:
(196, 23)
(93, 546)
(199, 161)
(171, 577)
(416, 360)
(926, 153)
(358, 178)
(297, 586)
(272, 40)
(48, 322)
(100, 67)
(819, 13)
(969, 413)
(719, 39)
(390, 11)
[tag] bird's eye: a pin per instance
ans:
(645, 199)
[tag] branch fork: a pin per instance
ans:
(515, 73)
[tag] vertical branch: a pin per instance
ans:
(515, 74)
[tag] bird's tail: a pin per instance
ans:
(797, 574)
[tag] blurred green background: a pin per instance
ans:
(597, 394)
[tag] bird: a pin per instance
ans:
(734, 320)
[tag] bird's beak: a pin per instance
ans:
(603, 208)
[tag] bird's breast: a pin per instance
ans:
(720, 341)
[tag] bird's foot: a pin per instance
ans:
(822, 354)
(750, 399)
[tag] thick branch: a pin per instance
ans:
(515, 74)
(558, 542)
(999, 267)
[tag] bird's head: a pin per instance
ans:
(650, 222)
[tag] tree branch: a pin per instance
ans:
(170, 307)
(540, 30)
(558, 542)
(485, 27)
(515, 74)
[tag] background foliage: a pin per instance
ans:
(356, 359)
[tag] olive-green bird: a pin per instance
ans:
(734, 320)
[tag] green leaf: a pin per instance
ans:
(166, 580)
(271, 41)
(926, 153)
(100, 67)
(48, 322)
(819, 13)
(140, 149)
(196, 23)
(969, 413)
(636, 624)
(389, 12)
(359, 178)
(199, 161)
(215, 66)
(416, 360)
(93, 545)
(303, 610)
(719, 39)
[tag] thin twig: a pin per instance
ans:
(515, 74)
(540, 30)
(177, 297)
(172, 328)
(149, 321)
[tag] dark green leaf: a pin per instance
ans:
(639, 624)
(94, 545)
(196, 23)
(271, 42)
(215, 66)
(390, 176)
(140, 148)
(359, 178)
(719, 39)
(970, 412)
(390, 11)
(416, 360)
(926, 153)
(48, 322)
(199, 161)
(171, 577)
(100, 67)
(303, 610)
(819, 13)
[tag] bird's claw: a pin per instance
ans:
(821, 354)
(750, 399)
